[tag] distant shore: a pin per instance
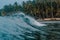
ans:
(49, 20)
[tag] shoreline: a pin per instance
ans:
(48, 21)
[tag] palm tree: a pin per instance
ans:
(46, 9)
(51, 9)
(58, 8)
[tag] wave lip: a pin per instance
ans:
(16, 25)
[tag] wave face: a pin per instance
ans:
(22, 27)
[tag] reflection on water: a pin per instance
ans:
(22, 27)
(52, 32)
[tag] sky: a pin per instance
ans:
(7, 2)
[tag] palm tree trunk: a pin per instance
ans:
(57, 6)
(52, 10)
(46, 10)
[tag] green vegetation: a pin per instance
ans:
(42, 9)
(9, 9)
(35, 8)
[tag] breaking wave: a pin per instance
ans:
(21, 27)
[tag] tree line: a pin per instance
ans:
(10, 9)
(34, 8)
(43, 9)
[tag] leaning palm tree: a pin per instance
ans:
(58, 7)
(51, 9)
(46, 9)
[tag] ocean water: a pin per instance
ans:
(22, 27)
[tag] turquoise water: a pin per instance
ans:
(22, 27)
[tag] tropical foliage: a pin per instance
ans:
(35, 8)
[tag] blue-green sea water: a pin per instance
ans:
(22, 27)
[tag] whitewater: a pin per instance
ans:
(22, 27)
(16, 26)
